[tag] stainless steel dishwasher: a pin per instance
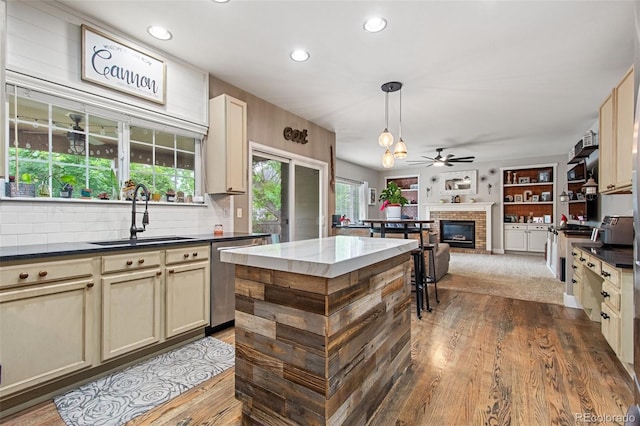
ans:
(223, 301)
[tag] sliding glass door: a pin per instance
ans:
(288, 194)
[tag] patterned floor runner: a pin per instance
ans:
(119, 397)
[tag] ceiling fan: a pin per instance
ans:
(439, 160)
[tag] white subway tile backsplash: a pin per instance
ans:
(58, 221)
(8, 240)
(27, 239)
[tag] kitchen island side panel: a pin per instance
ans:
(313, 350)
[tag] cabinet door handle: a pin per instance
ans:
(604, 315)
(605, 294)
(590, 265)
(185, 255)
(23, 275)
(129, 262)
(171, 271)
(141, 261)
(574, 266)
(582, 259)
(573, 280)
(574, 254)
(42, 273)
(195, 254)
(159, 273)
(90, 285)
(605, 274)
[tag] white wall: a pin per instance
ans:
(44, 46)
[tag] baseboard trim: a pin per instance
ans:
(570, 301)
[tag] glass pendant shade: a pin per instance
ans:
(400, 150)
(387, 159)
(385, 139)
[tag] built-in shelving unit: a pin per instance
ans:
(528, 205)
(410, 187)
(579, 207)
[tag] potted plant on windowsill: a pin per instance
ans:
(392, 201)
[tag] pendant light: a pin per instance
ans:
(387, 159)
(400, 150)
(385, 139)
(590, 189)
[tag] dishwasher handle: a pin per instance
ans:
(235, 247)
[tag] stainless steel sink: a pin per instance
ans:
(140, 241)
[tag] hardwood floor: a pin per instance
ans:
(477, 360)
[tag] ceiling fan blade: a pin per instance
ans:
(463, 158)
(448, 164)
(461, 161)
(413, 162)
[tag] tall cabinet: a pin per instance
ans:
(616, 137)
(410, 187)
(528, 206)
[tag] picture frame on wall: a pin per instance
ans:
(544, 176)
(372, 196)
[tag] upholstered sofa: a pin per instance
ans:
(442, 258)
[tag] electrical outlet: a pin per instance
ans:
(239, 212)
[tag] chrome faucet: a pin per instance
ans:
(145, 217)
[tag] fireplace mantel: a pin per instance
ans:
(465, 207)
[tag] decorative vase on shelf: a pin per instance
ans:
(393, 211)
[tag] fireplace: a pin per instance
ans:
(458, 233)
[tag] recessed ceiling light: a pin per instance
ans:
(161, 33)
(220, 1)
(299, 55)
(373, 25)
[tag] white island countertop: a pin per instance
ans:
(322, 257)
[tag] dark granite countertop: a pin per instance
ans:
(37, 251)
(618, 256)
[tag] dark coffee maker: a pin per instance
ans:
(335, 220)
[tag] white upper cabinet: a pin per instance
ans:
(226, 146)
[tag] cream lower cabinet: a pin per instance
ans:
(187, 289)
(130, 302)
(606, 295)
(525, 237)
(46, 322)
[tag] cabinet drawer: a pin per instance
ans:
(38, 273)
(130, 261)
(613, 298)
(187, 254)
(577, 268)
(610, 327)
(611, 274)
(582, 257)
(522, 227)
(594, 264)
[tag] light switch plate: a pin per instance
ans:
(239, 212)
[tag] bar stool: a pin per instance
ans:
(419, 280)
(430, 276)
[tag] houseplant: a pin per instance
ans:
(392, 201)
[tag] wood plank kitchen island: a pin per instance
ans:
(323, 328)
